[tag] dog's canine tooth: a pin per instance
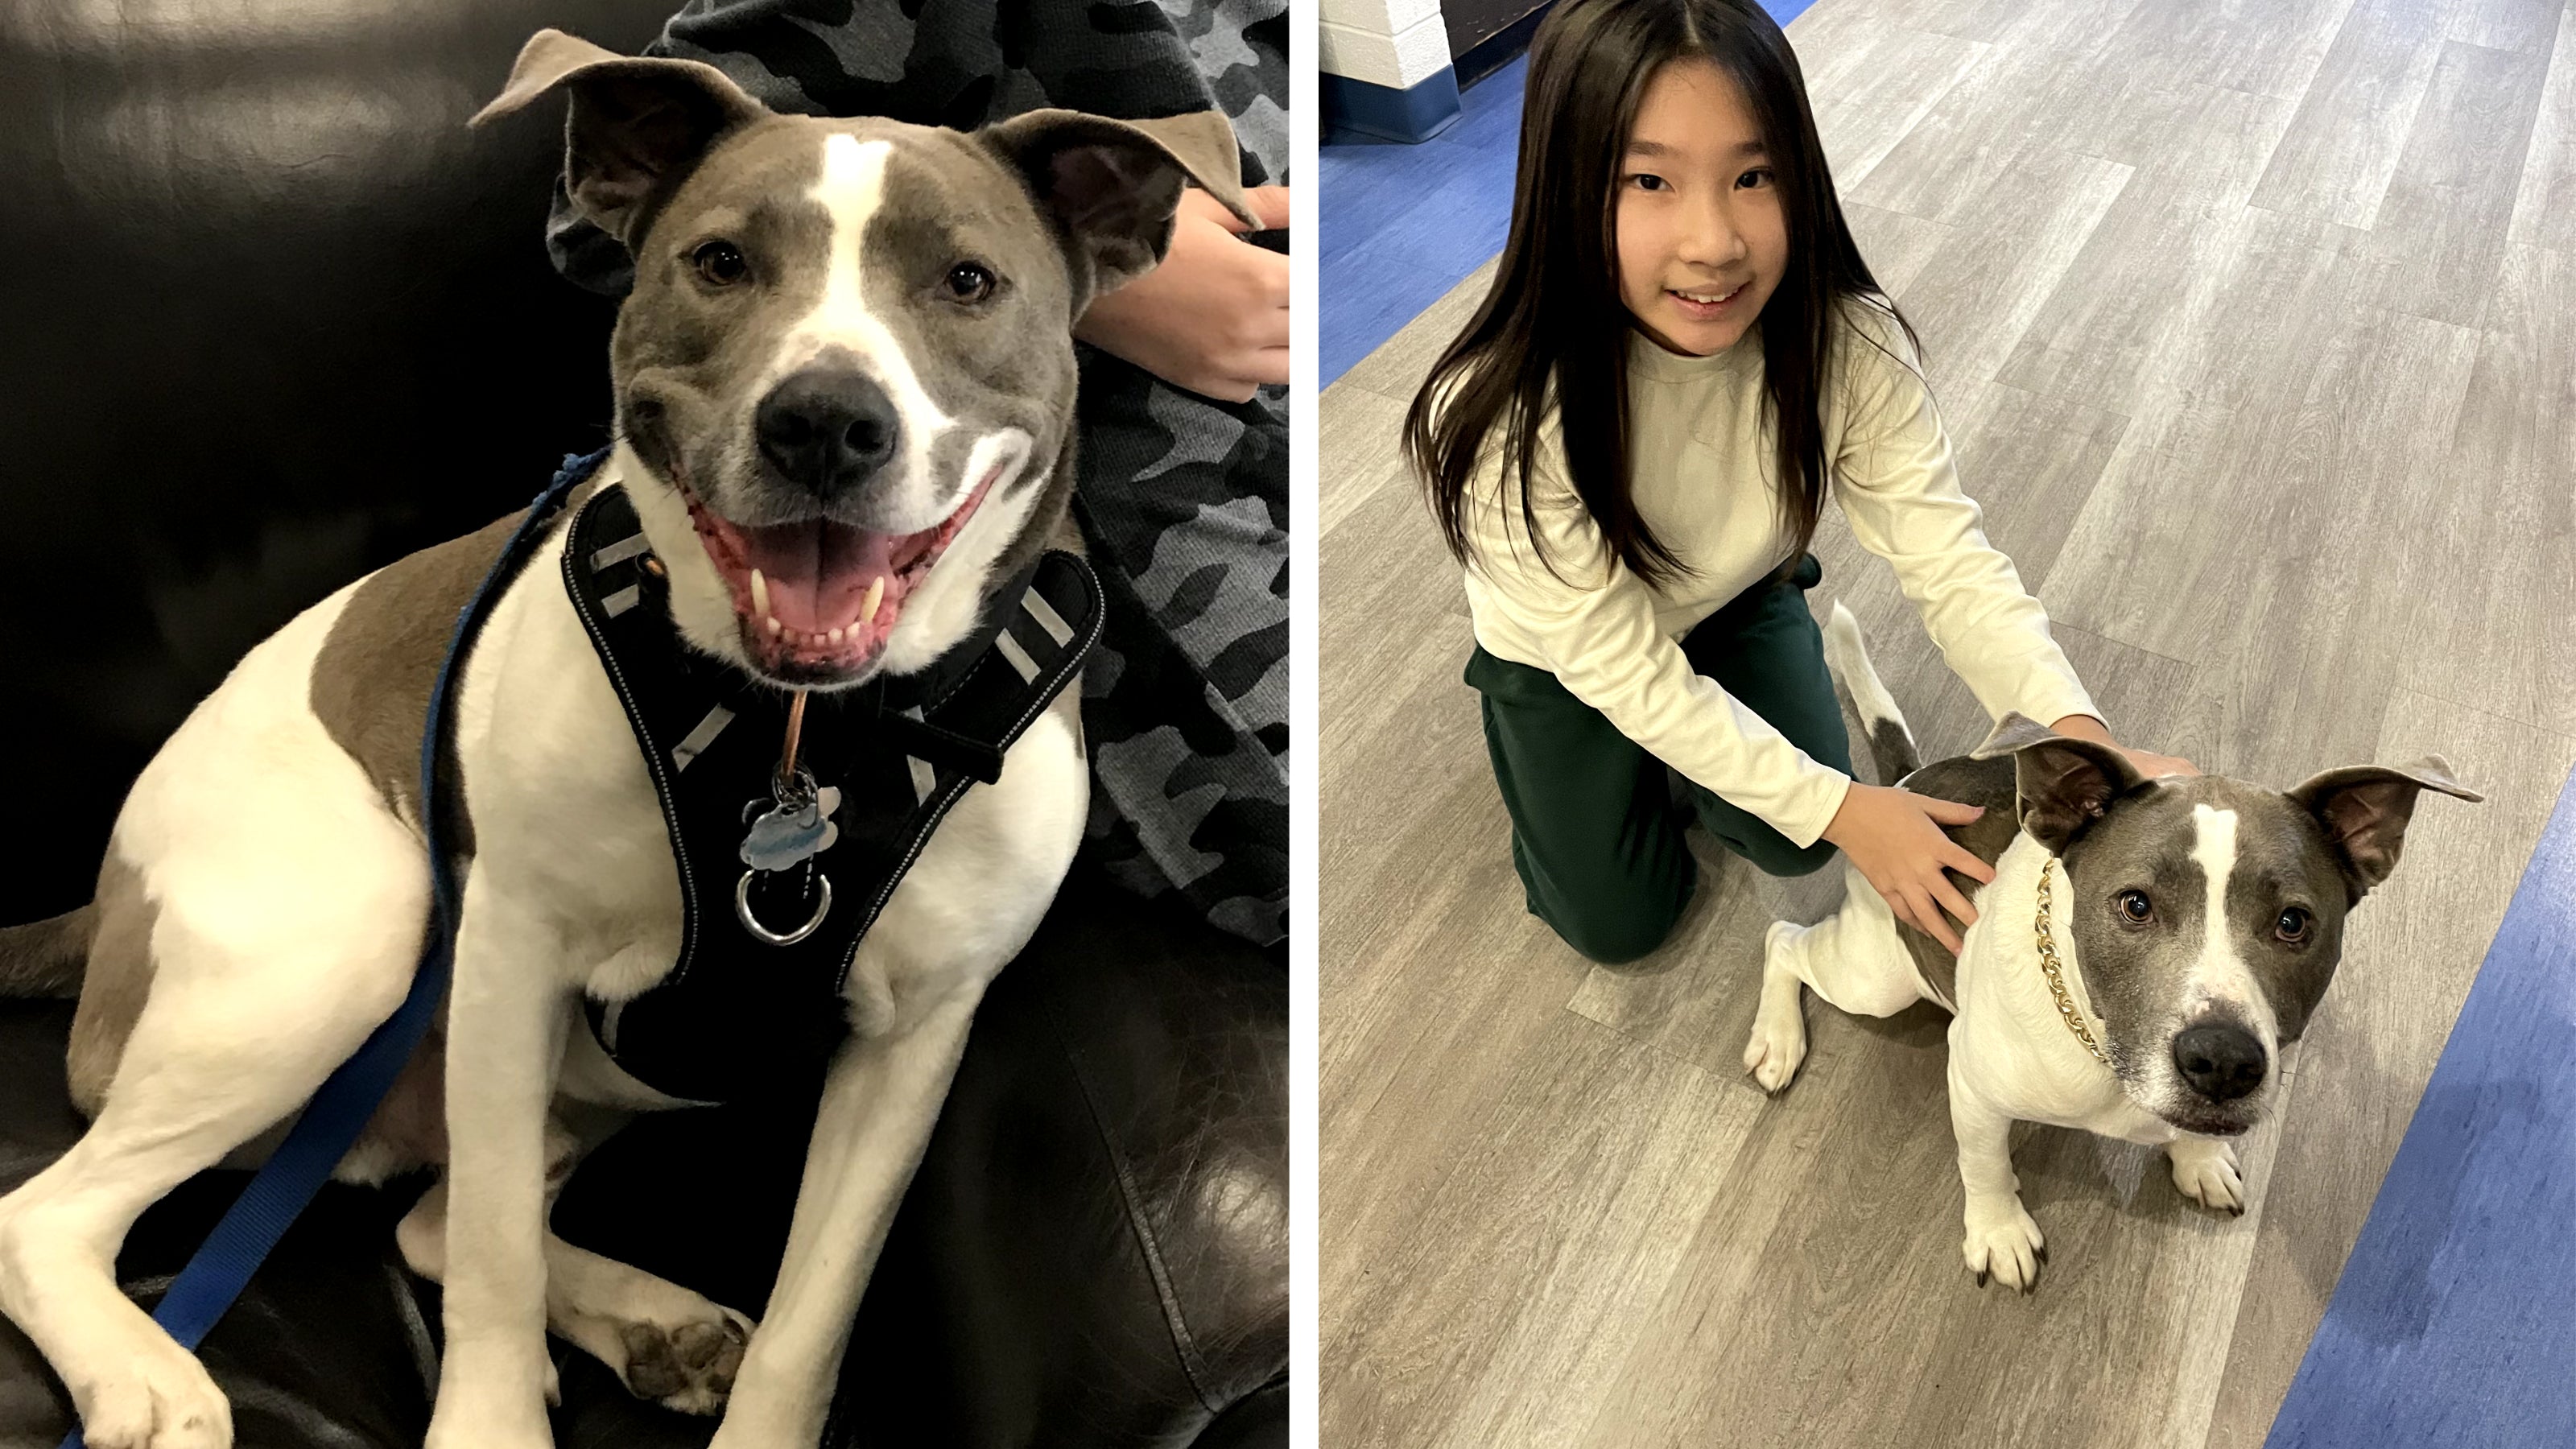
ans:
(759, 594)
(876, 596)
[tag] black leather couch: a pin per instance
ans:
(270, 317)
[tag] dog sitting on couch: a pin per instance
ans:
(844, 388)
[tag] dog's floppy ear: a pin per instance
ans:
(638, 124)
(1113, 185)
(2064, 784)
(2365, 810)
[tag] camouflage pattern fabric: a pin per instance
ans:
(1182, 500)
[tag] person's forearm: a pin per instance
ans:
(1213, 317)
(2148, 762)
(2085, 727)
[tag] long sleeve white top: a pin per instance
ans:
(1702, 470)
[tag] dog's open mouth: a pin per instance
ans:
(818, 599)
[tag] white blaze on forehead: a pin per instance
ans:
(851, 190)
(2221, 974)
(2213, 849)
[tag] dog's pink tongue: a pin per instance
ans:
(817, 574)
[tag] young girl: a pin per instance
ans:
(1628, 449)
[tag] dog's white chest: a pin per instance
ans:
(564, 807)
(560, 798)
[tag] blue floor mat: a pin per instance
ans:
(1403, 224)
(2454, 1323)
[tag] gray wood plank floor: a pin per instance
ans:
(2252, 322)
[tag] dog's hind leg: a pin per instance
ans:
(265, 976)
(1854, 959)
(667, 1343)
(274, 918)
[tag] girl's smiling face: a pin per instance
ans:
(1702, 239)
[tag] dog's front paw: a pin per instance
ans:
(689, 1367)
(2003, 1242)
(159, 1397)
(2205, 1169)
(1779, 1041)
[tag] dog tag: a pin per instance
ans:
(794, 831)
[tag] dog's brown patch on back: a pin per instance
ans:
(1989, 783)
(118, 982)
(373, 675)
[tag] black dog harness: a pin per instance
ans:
(767, 937)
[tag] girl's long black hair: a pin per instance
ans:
(1553, 331)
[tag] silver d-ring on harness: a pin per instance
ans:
(751, 923)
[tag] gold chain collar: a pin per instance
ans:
(2049, 968)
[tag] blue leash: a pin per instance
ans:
(206, 1288)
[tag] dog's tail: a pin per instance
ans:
(1890, 742)
(48, 958)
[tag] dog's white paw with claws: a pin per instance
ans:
(2004, 1243)
(2205, 1169)
(160, 1397)
(1779, 1040)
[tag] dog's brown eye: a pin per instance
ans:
(721, 263)
(2293, 925)
(2134, 906)
(970, 281)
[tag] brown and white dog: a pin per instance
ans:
(2196, 921)
(844, 389)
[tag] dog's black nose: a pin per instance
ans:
(2221, 1061)
(827, 430)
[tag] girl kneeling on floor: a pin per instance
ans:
(1628, 450)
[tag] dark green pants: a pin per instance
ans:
(1596, 832)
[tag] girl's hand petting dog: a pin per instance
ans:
(1894, 838)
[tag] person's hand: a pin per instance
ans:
(1213, 318)
(1893, 837)
(2147, 762)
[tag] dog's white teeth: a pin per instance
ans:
(774, 629)
(835, 637)
(876, 596)
(760, 596)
